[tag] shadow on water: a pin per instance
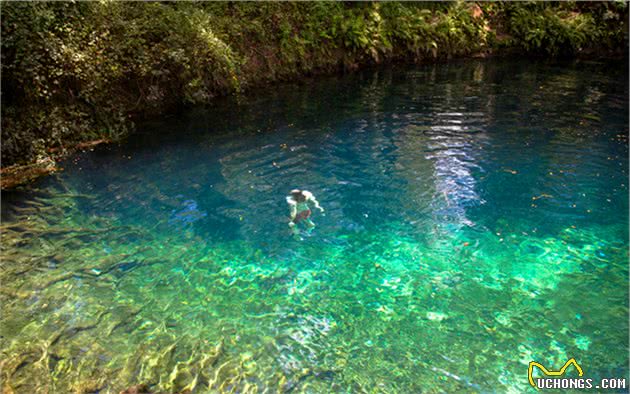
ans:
(476, 220)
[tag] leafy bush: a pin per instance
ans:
(560, 29)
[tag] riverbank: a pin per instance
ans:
(73, 73)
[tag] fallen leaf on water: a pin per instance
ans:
(592, 117)
(542, 196)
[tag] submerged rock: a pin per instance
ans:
(436, 316)
(137, 389)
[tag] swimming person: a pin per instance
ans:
(300, 210)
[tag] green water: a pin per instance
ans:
(476, 220)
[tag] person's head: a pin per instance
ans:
(298, 195)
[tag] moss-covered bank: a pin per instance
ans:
(77, 72)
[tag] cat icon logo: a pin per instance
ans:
(547, 372)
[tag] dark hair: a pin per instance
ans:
(298, 195)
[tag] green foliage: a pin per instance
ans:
(561, 29)
(74, 71)
(78, 71)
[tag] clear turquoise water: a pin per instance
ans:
(476, 220)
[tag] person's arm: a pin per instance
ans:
(292, 213)
(316, 203)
